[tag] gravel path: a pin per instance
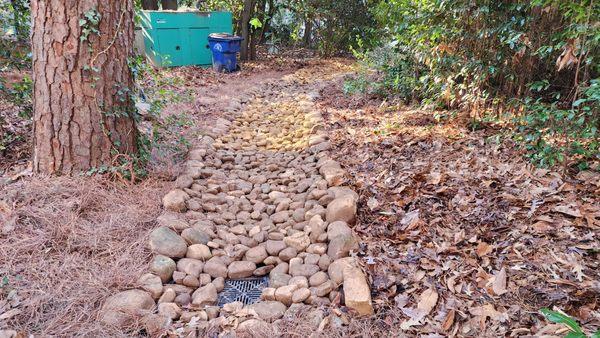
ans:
(260, 196)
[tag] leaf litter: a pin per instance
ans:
(459, 232)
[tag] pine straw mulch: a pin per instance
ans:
(67, 244)
(459, 232)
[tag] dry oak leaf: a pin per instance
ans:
(427, 301)
(570, 210)
(499, 282)
(483, 249)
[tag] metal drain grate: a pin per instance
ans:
(247, 290)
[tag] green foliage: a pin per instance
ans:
(552, 134)
(19, 94)
(559, 318)
(538, 57)
(89, 24)
(14, 19)
(255, 23)
(155, 89)
(14, 34)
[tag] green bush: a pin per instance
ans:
(540, 57)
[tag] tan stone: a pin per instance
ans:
(274, 247)
(170, 310)
(283, 294)
(124, 307)
(168, 296)
(318, 278)
(298, 241)
(199, 251)
(268, 294)
(317, 227)
(206, 295)
(336, 269)
(151, 283)
(300, 295)
(215, 268)
(342, 209)
(287, 254)
(256, 255)
(269, 310)
(300, 281)
(175, 200)
(357, 294)
(190, 266)
(240, 269)
(325, 288)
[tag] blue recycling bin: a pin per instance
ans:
(224, 49)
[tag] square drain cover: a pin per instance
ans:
(246, 290)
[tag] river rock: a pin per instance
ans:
(357, 294)
(192, 267)
(167, 242)
(151, 283)
(198, 251)
(256, 255)
(124, 307)
(195, 236)
(298, 241)
(269, 310)
(215, 268)
(274, 247)
(175, 200)
(163, 267)
(240, 269)
(342, 209)
(206, 295)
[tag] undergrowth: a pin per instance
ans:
(531, 67)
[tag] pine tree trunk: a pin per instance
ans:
(83, 110)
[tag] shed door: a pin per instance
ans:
(200, 54)
(171, 49)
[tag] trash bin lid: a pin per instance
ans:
(223, 37)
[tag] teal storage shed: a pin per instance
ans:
(174, 38)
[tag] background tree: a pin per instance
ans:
(83, 110)
(247, 12)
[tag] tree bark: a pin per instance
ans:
(267, 22)
(245, 24)
(260, 11)
(83, 110)
(169, 5)
(151, 5)
(308, 25)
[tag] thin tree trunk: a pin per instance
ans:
(151, 5)
(169, 5)
(308, 25)
(83, 110)
(245, 24)
(255, 35)
(267, 21)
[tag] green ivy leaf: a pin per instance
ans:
(559, 318)
(575, 335)
(255, 23)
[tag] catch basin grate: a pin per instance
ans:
(246, 290)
